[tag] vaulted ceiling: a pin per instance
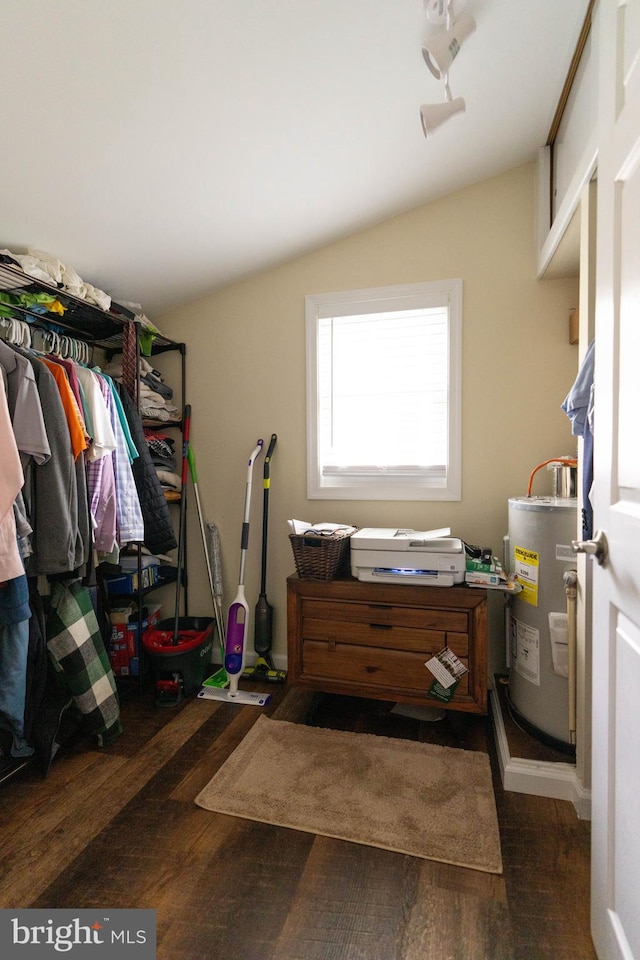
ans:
(166, 149)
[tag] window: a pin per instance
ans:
(384, 393)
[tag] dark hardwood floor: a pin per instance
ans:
(118, 828)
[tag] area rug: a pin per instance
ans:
(414, 798)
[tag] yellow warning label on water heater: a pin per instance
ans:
(527, 566)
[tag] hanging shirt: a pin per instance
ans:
(101, 490)
(24, 406)
(578, 406)
(14, 592)
(130, 525)
(578, 402)
(132, 451)
(75, 421)
(57, 545)
(101, 431)
(11, 480)
(101, 485)
(69, 367)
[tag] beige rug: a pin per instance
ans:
(427, 801)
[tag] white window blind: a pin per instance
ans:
(383, 393)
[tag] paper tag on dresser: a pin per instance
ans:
(447, 670)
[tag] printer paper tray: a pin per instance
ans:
(435, 578)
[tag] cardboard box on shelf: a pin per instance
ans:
(119, 615)
(125, 645)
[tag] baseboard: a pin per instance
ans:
(537, 777)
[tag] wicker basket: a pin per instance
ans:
(321, 557)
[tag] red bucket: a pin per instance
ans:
(190, 656)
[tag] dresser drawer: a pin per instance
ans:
(386, 613)
(388, 669)
(385, 636)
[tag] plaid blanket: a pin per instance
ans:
(78, 654)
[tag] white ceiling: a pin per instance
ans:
(164, 149)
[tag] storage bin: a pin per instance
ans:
(325, 557)
(126, 583)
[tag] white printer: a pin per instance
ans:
(407, 556)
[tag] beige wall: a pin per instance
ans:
(246, 379)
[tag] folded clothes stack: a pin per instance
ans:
(162, 449)
(156, 404)
(155, 395)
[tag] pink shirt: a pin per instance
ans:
(11, 480)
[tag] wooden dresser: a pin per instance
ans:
(372, 640)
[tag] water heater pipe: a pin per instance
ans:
(570, 578)
(506, 541)
(566, 461)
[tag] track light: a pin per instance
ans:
(440, 51)
(435, 114)
(437, 11)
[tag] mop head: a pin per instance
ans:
(240, 696)
(218, 679)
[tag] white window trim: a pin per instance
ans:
(432, 293)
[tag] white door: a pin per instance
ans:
(616, 584)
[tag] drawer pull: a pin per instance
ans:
(381, 626)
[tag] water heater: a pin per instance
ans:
(539, 542)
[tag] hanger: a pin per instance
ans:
(50, 342)
(67, 348)
(18, 332)
(15, 331)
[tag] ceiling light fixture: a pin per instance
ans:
(439, 51)
(436, 10)
(433, 115)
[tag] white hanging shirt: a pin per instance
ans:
(103, 441)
